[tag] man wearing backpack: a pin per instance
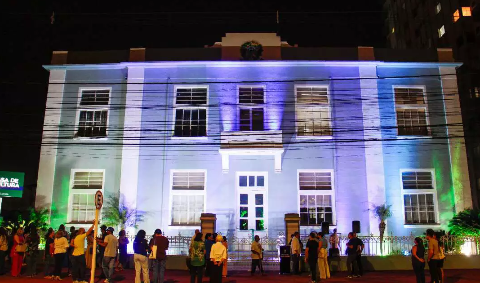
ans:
(160, 261)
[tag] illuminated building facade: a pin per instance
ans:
(414, 25)
(253, 140)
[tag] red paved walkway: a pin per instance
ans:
(453, 276)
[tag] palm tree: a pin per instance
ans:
(382, 212)
(117, 214)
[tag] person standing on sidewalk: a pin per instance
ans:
(141, 249)
(122, 251)
(79, 263)
(161, 261)
(257, 255)
(33, 240)
(49, 259)
(208, 248)
(17, 252)
(218, 256)
(3, 249)
(360, 247)
(334, 241)
(111, 246)
(197, 258)
(61, 246)
(225, 264)
(296, 251)
(323, 268)
(352, 247)
(418, 260)
(311, 255)
(433, 257)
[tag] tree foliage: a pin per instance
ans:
(465, 223)
(37, 217)
(251, 50)
(382, 212)
(117, 214)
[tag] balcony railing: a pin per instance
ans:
(252, 139)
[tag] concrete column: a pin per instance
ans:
(208, 223)
(48, 151)
(374, 163)
(131, 136)
(456, 140)
(292, 225)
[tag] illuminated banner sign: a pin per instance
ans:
(11, 184)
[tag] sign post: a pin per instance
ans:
(98, 206)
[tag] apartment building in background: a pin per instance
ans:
(327, 133)
(455, 24)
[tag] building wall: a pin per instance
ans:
(87, 154)
(415, 153)
(345, 153)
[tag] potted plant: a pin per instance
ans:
(251, 50)
(382, 212)
(118, 214)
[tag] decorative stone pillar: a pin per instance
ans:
(208, 223)
(292, 225)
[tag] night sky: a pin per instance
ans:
(29, 37)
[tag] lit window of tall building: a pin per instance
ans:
(466, 11)
(441, 31)
(456, 16)
(438, 8)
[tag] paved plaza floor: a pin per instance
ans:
(452, 276)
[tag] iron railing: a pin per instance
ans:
(239, 249)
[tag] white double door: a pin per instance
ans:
(252, 206)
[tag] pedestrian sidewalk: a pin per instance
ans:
(128, 276)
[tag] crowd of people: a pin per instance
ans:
(207, 254)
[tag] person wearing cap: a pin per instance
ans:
(161, 259)
(218, 255)
(111, 246)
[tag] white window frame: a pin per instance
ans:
(183, 106)
(252, 105)
(92, 107)
(306, 105)
(72, 191)
(185, 192)
(420, 192)
(412, 106)
(238, 191)
(318, 192)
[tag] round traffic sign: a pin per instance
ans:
(98, 199)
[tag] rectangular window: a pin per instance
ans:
(93, 113)
(438, 8)
(456, 16)
(441, 31)
(313, 111)
(252, 201)
(466, 11)
(316, 198)
(253, 95)
(251, 119)
(188, 197)
(419, 197)
(82, 195)
(251, 103)
(411, 109)
(190, 112)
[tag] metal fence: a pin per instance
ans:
(402, 245)
(239, 249)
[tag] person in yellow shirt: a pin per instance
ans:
(78, 256)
